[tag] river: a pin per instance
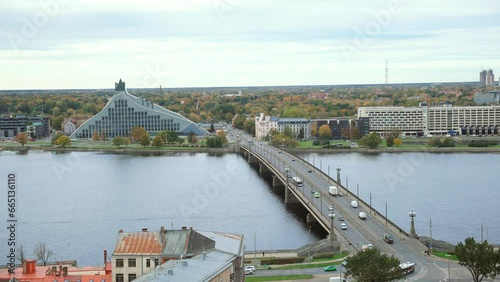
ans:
(77, 202)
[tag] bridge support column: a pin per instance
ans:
(310, 218)
(251, 159)
(289, 197)
(263, 169)
(277, 182)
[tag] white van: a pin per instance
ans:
(362, 215)
(354, 204)
(334, 191)
(337, 279)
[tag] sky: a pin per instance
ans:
(90, 44)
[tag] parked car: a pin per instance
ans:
(343, 226)
(331, 268)
(388, 238)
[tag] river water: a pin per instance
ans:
(77, 202)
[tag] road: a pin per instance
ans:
(359, 232)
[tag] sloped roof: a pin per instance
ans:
(227, 242)
(145, 242)
(175, 242)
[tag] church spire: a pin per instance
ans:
(120, 86)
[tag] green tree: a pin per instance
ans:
(390, 140)
(157, 141)
(288, 132)
(63, 141)
(448, 142)
(118, 141)
(21, 138)
(435, 142)
(371, 140)
(301, 133)
(479, 258)
(172, 137)
(372, 266)
(144, 140)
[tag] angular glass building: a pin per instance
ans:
(124, 111)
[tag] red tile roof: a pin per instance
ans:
(145, 242)
(95, 274)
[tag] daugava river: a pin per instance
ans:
(77, 202)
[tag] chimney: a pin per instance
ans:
(105, 257)
(144, 230)
(29, 266)
(162, 230)
(65, 271)
(121, 231)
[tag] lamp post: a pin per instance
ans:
(309, 245)
(412, 215)
(338, 175)
(331, 215)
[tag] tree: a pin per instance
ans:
(55, 137)
(371, 140)
(448, 142)
(21, 138)
(192, 138)
(390, 140)
(63, 141)
(479, 258)
(21, 256)
(288, 131)
(157, 141)
(398, 141)
(435, 142)
(118, 141)
(136, 133)
(212, 128)
(325, 132)
(42, 253)
(171, 136)
(370, 266)
(144, 140)
(95, 136)
(301, 133)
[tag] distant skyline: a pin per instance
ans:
(68, 44)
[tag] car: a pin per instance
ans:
(362, 215)
(388, 238)
(331, 268)
(249, 269)
(316, 194)
(330, 208)
(341, 218)
(343, 226)
(341, 194)
(354, 204)
(344, 263)
(310, 171)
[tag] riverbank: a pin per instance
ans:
(102, 147)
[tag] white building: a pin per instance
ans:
(264, 124)
(423, 120)
(69, 127)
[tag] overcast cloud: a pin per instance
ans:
(57, 44)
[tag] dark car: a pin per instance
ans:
(388, 238)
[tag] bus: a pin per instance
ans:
(297, 181)
(407, 267)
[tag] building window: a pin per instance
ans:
(119, 278)
(131, 277)
(119, 262)
(131, 262)
(148, 263)
(157, 262)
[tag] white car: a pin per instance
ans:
(343, 226)
(249, 269)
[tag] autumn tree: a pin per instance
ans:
(63, 141)
(55, 137)
(22, 138)
(118, 141)
(144, 139)
(371, 265)
(136, 133)
(398, 142)
(192, 138)
(479, 258)
(157, 141)
(390, 141)
(42, 253)
(324, 132)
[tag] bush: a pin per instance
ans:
(482, 143)
(323, 255)
(282, 260)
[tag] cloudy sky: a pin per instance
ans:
(68, 44)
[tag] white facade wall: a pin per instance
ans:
(264, 124)
(69, 128)
(140, 265)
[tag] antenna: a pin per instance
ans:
(386, 73)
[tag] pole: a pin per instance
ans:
(328, 170)
(385, 213)
(254, 246)
(309, 245)
(481, 232)
(370, 202)
(430, 225)
(347, 182)
(357, 190)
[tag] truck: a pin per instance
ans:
(334, 191)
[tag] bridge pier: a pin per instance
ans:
(310, 218)
(251, 159)
(264, 170)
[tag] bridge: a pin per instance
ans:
(313, 195)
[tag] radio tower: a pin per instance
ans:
(386, 73)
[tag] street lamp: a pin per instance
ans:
(287, 171)
(412, 215)
(338, 175)
(331, 215)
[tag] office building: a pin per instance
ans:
(487, 98)
(35, 127)
(301, 127)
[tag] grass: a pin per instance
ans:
(445, 255)
(335, 257)
(278, 278)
